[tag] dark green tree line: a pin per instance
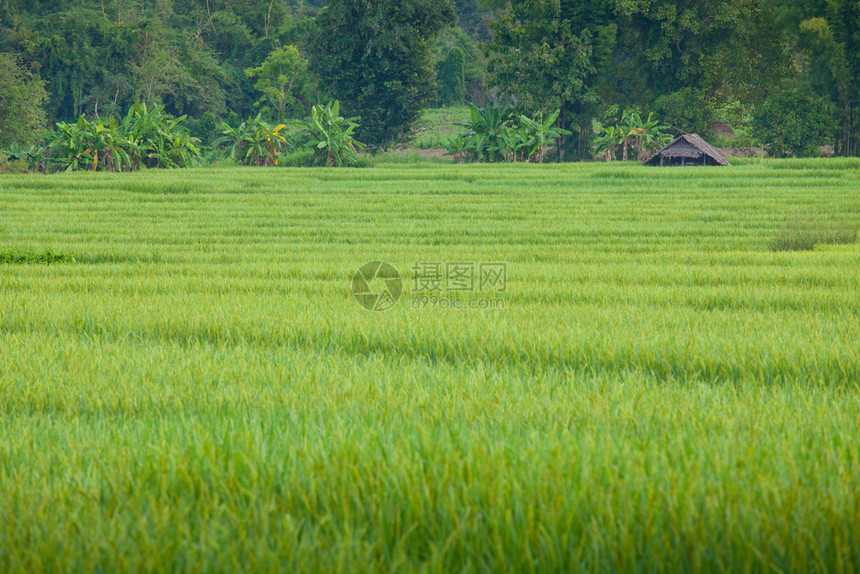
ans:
(738, 61)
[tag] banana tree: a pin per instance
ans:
(34, 156)
(87, 145)
(458, 147)
(183, 149)
(485, 130)
(254, 142)
(607, 141)
(631, 133)
(542, 133)
(478, 148)
(650, 136)
(329, 135)
(505, 146)
(159, 138)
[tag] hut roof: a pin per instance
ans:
(688, 145)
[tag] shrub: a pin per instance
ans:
(206, 128)
(437, 141)
(358, 161)
(795, 123)
(12, 164)
(19, 160)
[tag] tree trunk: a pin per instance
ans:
(562, 118)
(584, 132)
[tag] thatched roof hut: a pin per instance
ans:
(688, 149)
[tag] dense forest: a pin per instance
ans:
(784, 73)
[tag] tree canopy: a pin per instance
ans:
(374, 55)
(21, 95)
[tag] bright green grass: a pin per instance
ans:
(198, 391)
(438, 125)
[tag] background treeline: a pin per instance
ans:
(782, 73)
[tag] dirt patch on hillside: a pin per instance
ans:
(722, 129)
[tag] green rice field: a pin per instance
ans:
(666, 380)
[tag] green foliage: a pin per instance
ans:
(100, 57)
(738, 116)
(795, 123)
(157, 140)
(484, 136)
(147, 137)
(492, 135)
(47, 257)
(473, 16)
(719, 46)
(282, 79)
(330, 136)
(438, 125)
(451, 78)
(22, 93)
(737, 52)
(628, 132)
(537, 134)
(374, 56)
(32, 156)
(206, 128)
(474, 63)
(686, 112)
(562, 73)
(828, 45)
(254, 142)
(92, 146)
(459, 146)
